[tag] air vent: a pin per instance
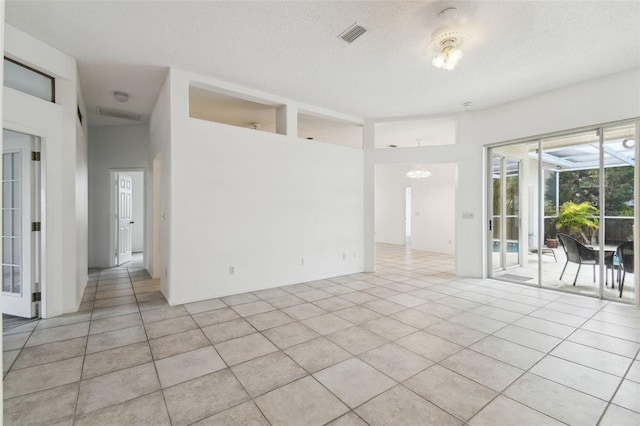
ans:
(118, 113)
(352, 33)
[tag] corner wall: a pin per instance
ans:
(82, 196)
(277, 209)
(160, 136)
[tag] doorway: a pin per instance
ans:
(21, 225)
(127, 242)
(418, 214)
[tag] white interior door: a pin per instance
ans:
(16, 225)
(125, 218)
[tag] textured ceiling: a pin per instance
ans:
(516, 49)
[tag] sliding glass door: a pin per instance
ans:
(561, 209)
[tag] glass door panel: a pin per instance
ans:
(571, 167)
(618, 216)
(511, 204)
(505, 213)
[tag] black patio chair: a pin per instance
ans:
(625, 254)
(577, 252)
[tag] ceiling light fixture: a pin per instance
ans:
(447, 41)
(120, 96)
(255, 125)
(418, 172)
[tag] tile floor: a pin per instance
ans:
(410, 344)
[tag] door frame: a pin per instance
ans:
(408, 212)
(113, 203)
(503, 266)
(41, 256)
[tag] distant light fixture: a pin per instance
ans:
(467, 104)
(310, 138)
(418, 172)
(120, 96)
(393, 146)
(447, 41)
(255, 125)
(628, 143)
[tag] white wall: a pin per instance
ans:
(64, 268)
(137, 196)
(432, 207)
(111, 149)
(259, 202)
(160, 131)
(82, 196)
(390, 198)
(433, 210)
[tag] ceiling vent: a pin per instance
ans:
(118, 113)
(352, 33)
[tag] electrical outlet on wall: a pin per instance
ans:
(467, 215)
(232, 270)
(344, 256)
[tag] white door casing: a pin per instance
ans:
(18, 268)
(124, 218)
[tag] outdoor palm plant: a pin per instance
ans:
(576, 219)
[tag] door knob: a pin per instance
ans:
(131, 223)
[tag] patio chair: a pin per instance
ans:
(577, 252)
(625, 254)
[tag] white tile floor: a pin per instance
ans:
(410, 344)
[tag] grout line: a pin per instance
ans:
(613, 395)
(468, 288)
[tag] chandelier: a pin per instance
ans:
(418, 172)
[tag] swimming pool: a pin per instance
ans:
(512, 247)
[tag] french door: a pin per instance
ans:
(20, 225)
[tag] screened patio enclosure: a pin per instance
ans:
(580, 183)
